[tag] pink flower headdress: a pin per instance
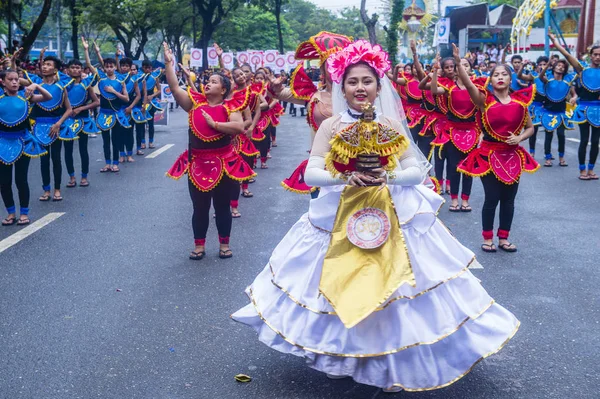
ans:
(360, 50)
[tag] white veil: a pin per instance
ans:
(389, 105)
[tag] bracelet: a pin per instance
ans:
(216, 126)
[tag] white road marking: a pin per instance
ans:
(160, 151)
(475, 265)
(29, 230)
(573, 140)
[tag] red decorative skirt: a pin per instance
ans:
(464, 135)
(417, 115)
(295, 183)
(243, 145)
(207, 167)
(507, 162)
(274, 114)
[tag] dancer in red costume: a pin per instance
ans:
(459, 133)
(214, 167)
(505, 123)
(261, 134)
(302, 91)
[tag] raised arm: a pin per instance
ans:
(43, 94)
(180, 95)
(572, 60)
(420, 72)
(86, 50)
(543, 77)
(477, 96)
(504, 52)
(97, 49)
(219, 51)
(433, 86)
(526, 78)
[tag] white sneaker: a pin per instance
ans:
(336, 377)
(392, 389)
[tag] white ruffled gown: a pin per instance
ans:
(422, 338)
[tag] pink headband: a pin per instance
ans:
(360, 50)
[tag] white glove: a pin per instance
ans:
(317, 176)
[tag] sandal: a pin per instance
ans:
(264, 166)
(251, 181)
(490, 248)
(274, 145)
(563, 163)
(71, 184)
(23, 222)
(57, 198)
(139, 152)
(247, 194)
(105, 169)
(584, 177)
(225, 253)
(84, 183)
(236, 215)
(454, 208)
(466, 208)
(197, 255)
(45, 198)
(143, 146)
(115, 169)
(548, 163)
(151, 145)
(9, 221)
(507, 247)
(592, 176)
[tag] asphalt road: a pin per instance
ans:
(104, 303)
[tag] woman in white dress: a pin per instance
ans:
(369, 283)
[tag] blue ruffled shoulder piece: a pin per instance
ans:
(64, 80)
(1, 91)
(33, 78)
(122, 77)
(90, 80)
(101, 74)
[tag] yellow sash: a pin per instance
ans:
(357, 281)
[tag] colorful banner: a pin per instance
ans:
(228, 60)
(165, 94)
(243, 57)
(196, 58)
(213, 58)
(442, 32)
(280, 63)
(269, 58)
(290, 58)
(256, 59)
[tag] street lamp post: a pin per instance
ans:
(9, 41)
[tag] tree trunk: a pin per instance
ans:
(370, 23)
(278, 19)
(207, 31)
(30, 37)
(74, 28)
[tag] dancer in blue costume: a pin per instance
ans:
(150, 90)
(112, 118)
(538, 100)
(553, 116)
(135, 98)
(51, 121)
(16, 140)
(587, 113)
(83, 99)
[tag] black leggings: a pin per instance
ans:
(273, 133)
(265, 145)
(54, 150)
(533, 139)
(498, 192)
(140, 134)
(126, 142)
(454, 156)
(21, 167)
(560, 133)
(220, 197)
(584, 130)
(440, 160)
(83, 153)
(424, 144)
(112, 136)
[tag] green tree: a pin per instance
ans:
(392, 30)
(275, 7)
(248, 28)
(370, 22)
(175, 26)
(29, 18)
(132, 21)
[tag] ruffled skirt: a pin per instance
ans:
(422, 338)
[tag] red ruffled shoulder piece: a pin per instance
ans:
(238, 101)
(301, 85)
(446, 83)
(524, 96)
(481, 82)
(196, 97)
